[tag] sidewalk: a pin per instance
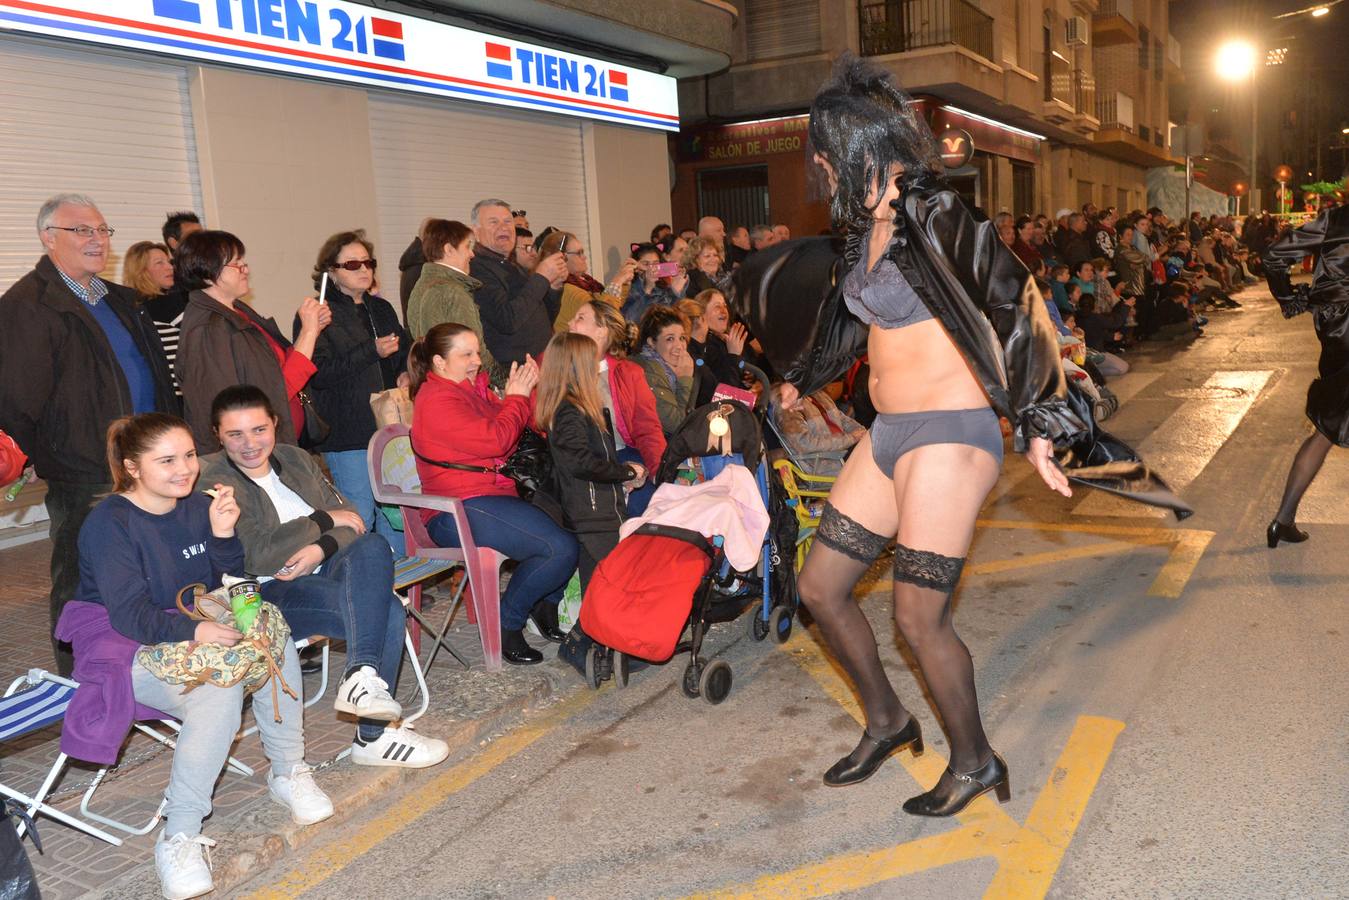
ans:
(253, 832)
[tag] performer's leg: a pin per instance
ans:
(856, 526)
(941, 488)
(1306, 464)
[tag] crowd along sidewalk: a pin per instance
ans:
(252, 831)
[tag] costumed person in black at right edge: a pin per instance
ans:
(1327, 236)
(958, 336)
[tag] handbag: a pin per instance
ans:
(251, 661)
(315, 430)
(530, 467)
(391, 407)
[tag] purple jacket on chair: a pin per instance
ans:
(104, 706)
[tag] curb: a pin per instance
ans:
(261, 838)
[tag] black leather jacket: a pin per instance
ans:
(1328, 237)
(970, 281)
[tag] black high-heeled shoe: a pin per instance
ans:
(1289, 533)
(961, 789)
(845, 771)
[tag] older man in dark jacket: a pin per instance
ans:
(517, 307)
(75, 353)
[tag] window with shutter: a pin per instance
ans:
(438, 158)
(116, 128)
(782, 28)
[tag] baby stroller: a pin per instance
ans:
(666, 579)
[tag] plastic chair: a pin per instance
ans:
(482, 564)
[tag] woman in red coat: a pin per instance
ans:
(637, 431)
(457, 419)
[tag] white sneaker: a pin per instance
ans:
(184, 866)
(299, 793)
(401, 746)
(365, 695)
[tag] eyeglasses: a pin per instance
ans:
(354, 265)
(581, 252)
(242, 267)
(86, 231)
(528, 248)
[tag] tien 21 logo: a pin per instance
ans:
(548, 70)
(292, 20)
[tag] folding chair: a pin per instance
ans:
(389, 458)
(23, 712)
(44, 703)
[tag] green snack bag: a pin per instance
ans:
(245, 600)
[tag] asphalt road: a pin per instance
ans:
(1170, 698)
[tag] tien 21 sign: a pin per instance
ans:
(339, 41)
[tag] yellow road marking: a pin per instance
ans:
(327, 861)
(1028, 855)
(1188, 546)
(1173, 577)
(994, 566)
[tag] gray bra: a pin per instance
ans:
(882, 296)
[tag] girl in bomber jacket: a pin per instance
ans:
(590, 478)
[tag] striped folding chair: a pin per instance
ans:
(43, 702)
(35, 701)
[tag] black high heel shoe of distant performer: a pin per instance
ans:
(960, 790)
(1288, 533)
(875, 751)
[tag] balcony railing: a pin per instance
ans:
(1115, 110)
(896, 26)
(1084, 93)
(1122, 8)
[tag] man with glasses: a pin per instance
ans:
(76, 352)
(526, 253)
(518, 306)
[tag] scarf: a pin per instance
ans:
(586, 283)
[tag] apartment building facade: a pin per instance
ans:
(1062, 102)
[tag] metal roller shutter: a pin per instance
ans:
(439, 158)
(779, 28)
(113, 127)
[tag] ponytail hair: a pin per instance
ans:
(437, 342)
(132, 436)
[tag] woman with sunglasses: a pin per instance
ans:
(363, 352)
(224, 341)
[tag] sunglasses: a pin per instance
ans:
(518, 212)
(354, 265)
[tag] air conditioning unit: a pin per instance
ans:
(1077, 31)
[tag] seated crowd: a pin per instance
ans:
(170, 431)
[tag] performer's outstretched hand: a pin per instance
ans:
(1041, 456)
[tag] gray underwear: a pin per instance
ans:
(894, 434)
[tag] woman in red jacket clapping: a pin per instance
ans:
(458, 420)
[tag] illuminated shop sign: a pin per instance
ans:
(342, 41)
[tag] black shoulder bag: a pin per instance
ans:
(530, 466)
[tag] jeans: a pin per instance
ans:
(210, 717)
(545, 552)
(638, 499)
(68, 505)
(351, 598)
(352, 478)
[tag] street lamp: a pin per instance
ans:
(1236, 61)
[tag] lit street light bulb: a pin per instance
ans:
(1320, 11)
(1235, 60)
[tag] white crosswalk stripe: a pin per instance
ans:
(1183, 445)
